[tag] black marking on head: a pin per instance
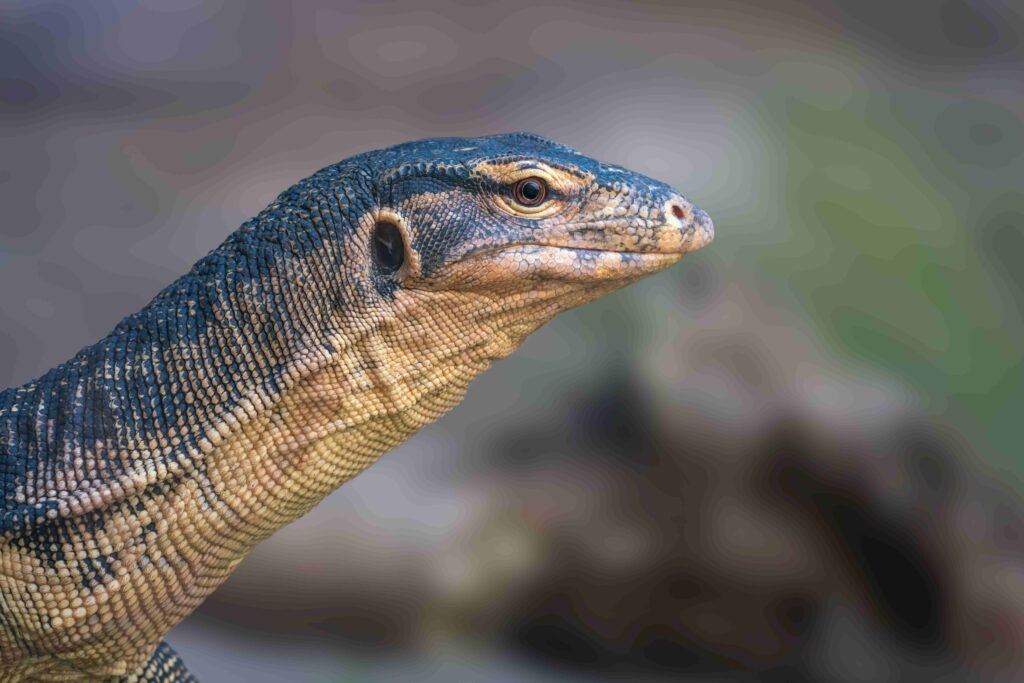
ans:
(45, 544)
(95, 571)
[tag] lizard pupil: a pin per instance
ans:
(388, 247)
(530, 191)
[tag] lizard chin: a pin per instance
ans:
(578, 264)
(575, 265)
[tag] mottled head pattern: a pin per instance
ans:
(353, 310)
(463, 225)
(456, 198)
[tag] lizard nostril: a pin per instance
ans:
(678, 211)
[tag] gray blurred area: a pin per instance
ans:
(794, 457)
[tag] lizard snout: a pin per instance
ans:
(687, 227)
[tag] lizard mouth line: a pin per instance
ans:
(532, 261)
(627, 256)
(570, 250)
(561, 252)
(668, 245)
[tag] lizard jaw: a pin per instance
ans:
(613, 254)
(604, 248)
(567, 263)
(531, 262)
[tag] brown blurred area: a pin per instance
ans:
(794, 457)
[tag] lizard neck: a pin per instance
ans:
(113, 452)
(366, 389)
(321, 401)
(144, 403)
(336, 417)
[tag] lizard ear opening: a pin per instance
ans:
(388, 247)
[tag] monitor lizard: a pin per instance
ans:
(352, 311)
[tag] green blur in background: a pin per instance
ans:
(744, 467)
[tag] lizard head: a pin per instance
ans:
(509, 230)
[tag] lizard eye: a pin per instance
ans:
(530, 191)
(388, 247)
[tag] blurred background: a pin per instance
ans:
(794, 457)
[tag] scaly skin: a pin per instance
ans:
(136, 476)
